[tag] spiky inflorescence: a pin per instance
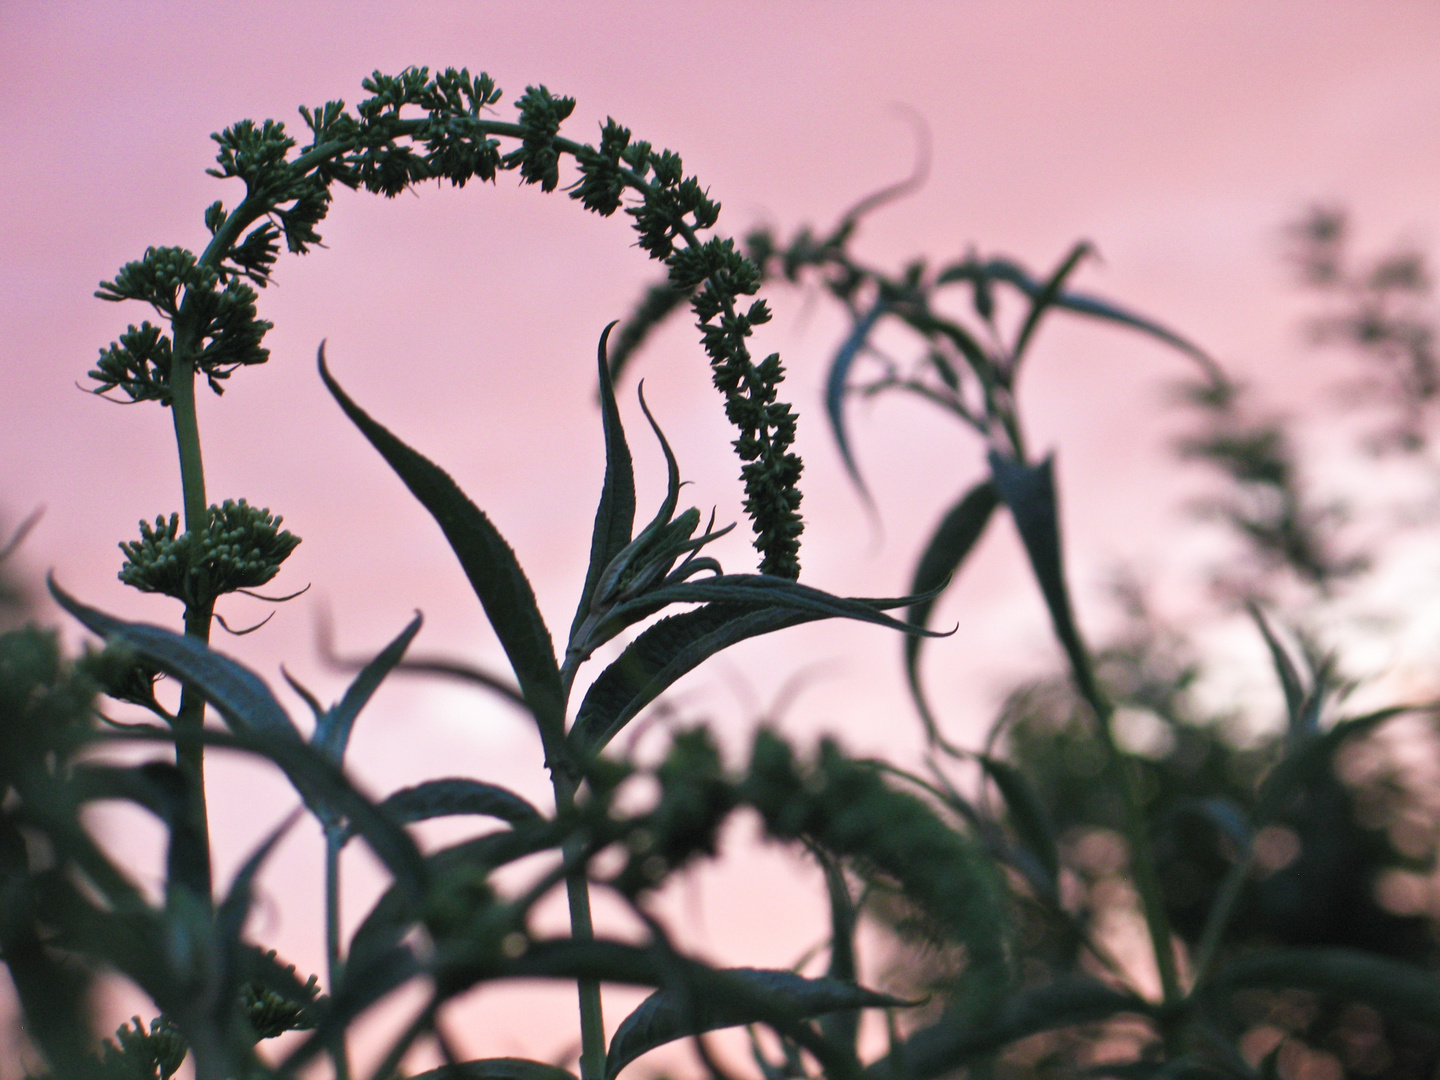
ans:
(209, 303)
(241, 547)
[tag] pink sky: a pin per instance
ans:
(1177, 137)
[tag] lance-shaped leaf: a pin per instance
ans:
(1285, 670)
(453, 796)
(731, 998)
(950, 1044)
(835, 382)
(615, 516)
(333, 727)
(1396, 990)
(497, 1069)
(949, 546)
(769, 591)
(237, 693)
(658, 657)
(487, 560)
(1029, 492)
(737, 607)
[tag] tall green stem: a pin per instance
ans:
(189, 753)
(582, 928)
(335, 961)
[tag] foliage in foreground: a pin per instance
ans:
(990, 886)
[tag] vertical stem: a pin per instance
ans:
(582, 928)
(335, 962)
(189, 754)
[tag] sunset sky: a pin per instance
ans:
(1178, 137)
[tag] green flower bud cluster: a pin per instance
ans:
(271, 1014)
(241, 547)
(223, 322)
(136, 1053)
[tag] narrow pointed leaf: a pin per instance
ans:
(661, 655)
(1047, 297)
(768, 591)
(332, 731)
(497, 1069)
(949, 1044)
(1029, 817)
(615, 517)
(1029, 492)
(487, 560)
(675, 1013)
(1285, 669)
(835, 390)
(239, 695)
(449, 797)
(950, 545)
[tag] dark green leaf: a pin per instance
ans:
(332, 730)
(1397, 990)
(487, 560)
(1029, 492)
(835, 389)
(661, 655)
(615, 517)
(240, 695)
(947, 1046)
(731, 998)
(497, 1069)
(949, 546)
(1048, 295)
(1029, 817)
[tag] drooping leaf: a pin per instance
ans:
(1047, 297)
(1083, 304)
(332, 730)
(661, 655)
(835, 382)
(1394, 989)
(239, 695)
(731, 998)
(948, 1045)
(497, 1069)
(1029, 817)
(448, 797)
(951, 543)
(487, 560)
(159, 787)
(325, 789)
(615, 516)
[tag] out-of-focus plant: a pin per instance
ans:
(1266, 874)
